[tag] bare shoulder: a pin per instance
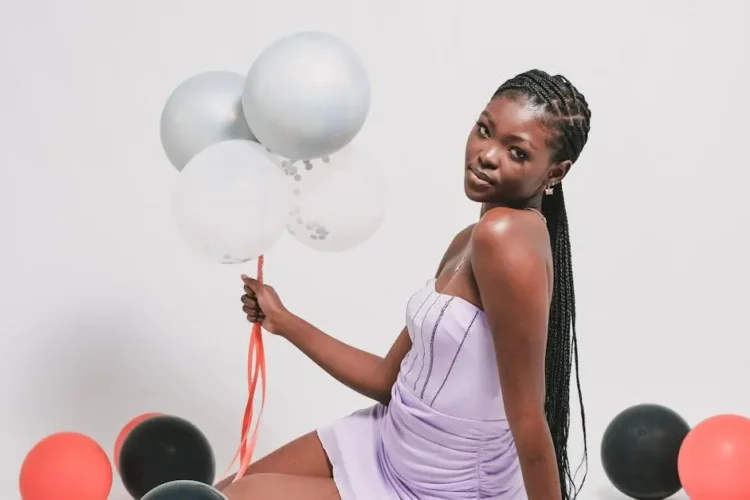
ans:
(505, 239)
(503, 224)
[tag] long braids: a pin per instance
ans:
(568, 117)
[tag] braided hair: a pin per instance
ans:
(567, 117)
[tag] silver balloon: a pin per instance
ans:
(184, 489)
(306, 96)
(203, 110)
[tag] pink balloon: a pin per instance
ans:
(714, 460)
(126, 430)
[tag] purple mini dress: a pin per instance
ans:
(444, 435)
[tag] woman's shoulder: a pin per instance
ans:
(507, 231)
(504, 222)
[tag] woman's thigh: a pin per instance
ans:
(282, 487)
(304, 456)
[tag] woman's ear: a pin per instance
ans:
(558, 171)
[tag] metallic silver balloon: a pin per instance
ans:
(203, 110)
(183, 489)
(306, 96)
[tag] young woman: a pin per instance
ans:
(473, 397)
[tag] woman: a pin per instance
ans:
(473, 397)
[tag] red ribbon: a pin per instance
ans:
(256, 369)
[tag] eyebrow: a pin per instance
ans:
(512, 138)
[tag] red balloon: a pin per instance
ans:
(126, 430)
(714, 460)
(66, 466)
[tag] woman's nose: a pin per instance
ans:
(490, 157)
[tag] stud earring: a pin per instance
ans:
(549, 189)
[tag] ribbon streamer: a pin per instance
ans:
(256, 370)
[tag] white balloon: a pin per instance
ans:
(231, 202)
(303, 175)
(306, 96)
(203, 110)
(340, 204)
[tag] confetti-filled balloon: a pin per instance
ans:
(341, 202)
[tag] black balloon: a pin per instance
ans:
(639, 451)
(164, 449)
(184, 490)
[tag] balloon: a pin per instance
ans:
(340, 208)
(66, 466)
(184, 490)
(124, 433)
(306, 96)
(164, 449)
(639, 451)
(231, 202)
(203, 110)
(714, 461)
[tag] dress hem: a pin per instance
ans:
(329, 441)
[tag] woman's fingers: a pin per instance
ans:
(254, 313)
(251, 308)
(249, 301)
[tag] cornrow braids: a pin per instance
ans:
(568, 118)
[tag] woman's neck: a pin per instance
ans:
(535, 203)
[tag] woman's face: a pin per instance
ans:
(507, 154)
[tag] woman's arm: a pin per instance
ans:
(366, 373)
(511, 274)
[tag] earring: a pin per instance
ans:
(549, 189)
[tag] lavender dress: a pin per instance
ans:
(444, 434)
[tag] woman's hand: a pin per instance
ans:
(262, 305)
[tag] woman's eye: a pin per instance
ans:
(518, 154)
(482, 130)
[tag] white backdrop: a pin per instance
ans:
(106, 315)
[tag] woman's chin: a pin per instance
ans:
(476, 195)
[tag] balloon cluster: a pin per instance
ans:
(257, 155)
(157, 456)
(271, 151)
(649, 452)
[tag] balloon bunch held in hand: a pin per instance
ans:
(271, 151)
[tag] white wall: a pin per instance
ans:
(100, 298)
